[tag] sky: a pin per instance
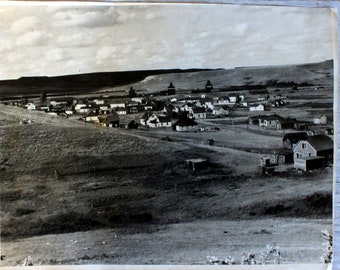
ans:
(59, 39)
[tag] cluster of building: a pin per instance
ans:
(108, 111)
(308, 149)
(317, 125)
(305, 151)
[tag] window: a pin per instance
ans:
(303, 145)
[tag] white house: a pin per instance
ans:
(30, 106)
(220, 111)
(199, 113)
(320, 120)
(185, 124)
(223, 101)
(120, 111)
(117, 105)
(84, 109)
(232, 99)
(257, 108)
(99, 101)
(140, 100)
(104, 108)
(69, 112)
(318, 145)
(154, 121)
(55, 103)
(79, 106)
(186, 108)
(92, 117)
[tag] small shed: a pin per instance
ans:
(196, 164)
(211, 141)
(284, 156)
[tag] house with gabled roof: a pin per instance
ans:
(318, 145)
(109, 120)
(199, 113)
(92, 117)
(220, 111)
(155, 121)
(275, 121)
(185, 124)
(257, 107)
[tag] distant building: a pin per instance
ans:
(92, 117)
(196, 164)
(171, 89)
(185, 124)
(30, 106)
(198, 113)
(276, 121)
(154, 121)
(320, 120)
(257, 108)
(121, 110)
(109, 120)
(315, 146)
(209, 86)
(220, 111)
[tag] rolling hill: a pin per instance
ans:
(156, 80)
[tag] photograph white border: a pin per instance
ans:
(335, 5)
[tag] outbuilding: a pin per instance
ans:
(309, 163)
(196, 164)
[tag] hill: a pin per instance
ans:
(79, 83)
(275, 76)
(156, 80)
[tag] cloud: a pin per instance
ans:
(152, 15)
(79, 39)
(125, 15)
(105, 53)
(55, 55)
(88, 18)
(24, 24)
(33, 38)
(239, 30)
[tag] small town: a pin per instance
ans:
(307, 144)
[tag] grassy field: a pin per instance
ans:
(61, 176)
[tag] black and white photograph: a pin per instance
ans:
(166, 134)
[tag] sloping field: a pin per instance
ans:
(61, 176)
